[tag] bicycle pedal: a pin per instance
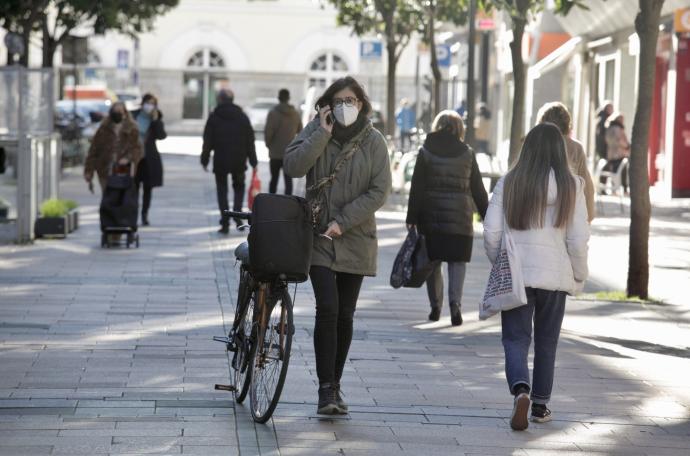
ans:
(229, 388)
(225, 340)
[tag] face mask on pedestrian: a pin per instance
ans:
(148, 107)
(345, 115)
(116, 117)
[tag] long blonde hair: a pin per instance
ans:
(526, 185)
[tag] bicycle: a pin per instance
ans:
(260, 337)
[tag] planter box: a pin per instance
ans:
(51, 227)
(72, 220)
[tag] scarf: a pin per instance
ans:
(344, 134)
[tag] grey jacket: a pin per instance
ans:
(358, 191)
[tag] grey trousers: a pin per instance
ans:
(456, 281)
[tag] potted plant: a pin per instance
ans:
(4, 209)
(53, 219)
(72, 214)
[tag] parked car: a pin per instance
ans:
(77, 126)
(258, 111)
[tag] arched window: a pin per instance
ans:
(325, 69)
(205, 75)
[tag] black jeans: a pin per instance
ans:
(222, 191)
(276, 166)
(336, 296)
(145, 200)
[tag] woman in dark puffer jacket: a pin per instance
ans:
(446, 189)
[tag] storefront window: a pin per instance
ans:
(205, 75)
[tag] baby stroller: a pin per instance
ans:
(119, 208)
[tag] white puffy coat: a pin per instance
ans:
(552, 258)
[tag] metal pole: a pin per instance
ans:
(26, 195)
(469, 135)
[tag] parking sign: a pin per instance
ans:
(370, 50)
(443, 55)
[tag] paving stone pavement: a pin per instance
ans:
(110, 352)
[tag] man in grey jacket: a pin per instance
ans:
(282, 125)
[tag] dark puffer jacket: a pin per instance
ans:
(446, 187)
(229, 134)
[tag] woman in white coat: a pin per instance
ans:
(543, 204)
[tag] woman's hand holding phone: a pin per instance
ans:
(326, 117)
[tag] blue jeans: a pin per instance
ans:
(547, 308)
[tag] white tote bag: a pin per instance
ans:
(506, 287)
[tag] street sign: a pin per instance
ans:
(443, 55)
(122, 59)
(370, 50)
(682, 20)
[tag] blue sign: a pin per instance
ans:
(122, 59)
(443, 55)
(370, 50)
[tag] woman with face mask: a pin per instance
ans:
(115, 141)
(348, 178)
(149, 121)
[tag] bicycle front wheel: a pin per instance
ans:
(244, 341)
(271, 356)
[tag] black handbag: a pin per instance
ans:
(412, 265)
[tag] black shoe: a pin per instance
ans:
(339, 400)
(435, 314)
(455, 314)
(327, 404)
(518, 419)
(224, 229)
(145, 220)
(540, 413)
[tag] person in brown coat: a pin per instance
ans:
(282, 125)
(115, 141)
(557, 114)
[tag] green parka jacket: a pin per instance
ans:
(359, 189)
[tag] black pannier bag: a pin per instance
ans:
(280, 238)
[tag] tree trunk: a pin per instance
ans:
(49, 44)
(390, 88)
(517, 123)
(647, 28)
(435, 70)
(471, 86)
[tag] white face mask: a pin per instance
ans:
(346, 115)
(148, 107)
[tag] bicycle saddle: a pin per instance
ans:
(242, 253)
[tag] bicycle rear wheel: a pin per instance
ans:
(244, 341)
(271, 356)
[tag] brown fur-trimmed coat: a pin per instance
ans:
(105, 150)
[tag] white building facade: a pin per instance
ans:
(253, 47)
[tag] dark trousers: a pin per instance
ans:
(222, 191)
(276, 166)
(336, 296)
(145, 200)
(546, 308)
(405, 137)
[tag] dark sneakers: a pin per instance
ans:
(540, 413)
(327, 404)
(435, 314)
(339, 400)
(518, 419)
(455, 315)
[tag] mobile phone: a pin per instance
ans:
(330, 118)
